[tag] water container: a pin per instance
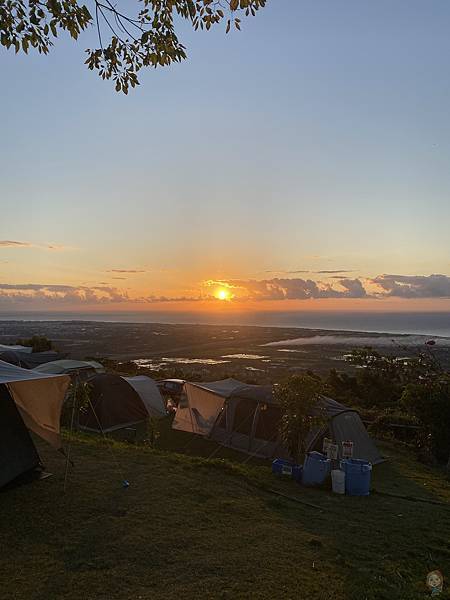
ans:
(316, 469)
(288, 468)
(338, 481)
(357, 476)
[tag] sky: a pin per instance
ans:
(302, 163)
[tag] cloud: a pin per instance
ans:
(55, 247)
(14, 295)
(54, 294)
(296, 288)
(17, 244)
(354, 287)
(289, 272)
(58, 295)
(327, 272)
(14, 244)
(291, 289)
(414, 286)
(334, 272)
(126, 271)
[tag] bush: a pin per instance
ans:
(382, 426)
(39, 343)
(430, 403)
(299, 398)
(77, 399)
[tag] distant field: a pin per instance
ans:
(215, 351)
(191, 528)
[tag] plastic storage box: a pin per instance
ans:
(358, 474)
(287, 468)
(316, 469)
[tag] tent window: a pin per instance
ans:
(268, 420)
(243, 416)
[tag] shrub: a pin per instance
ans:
(430, 403)
(39, 343)
(77, 399)
(299, 398)
(384, 426)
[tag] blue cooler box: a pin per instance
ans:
(287, 468)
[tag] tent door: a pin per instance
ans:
(265, 431)
(17, 451)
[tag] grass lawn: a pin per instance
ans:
(192, 528)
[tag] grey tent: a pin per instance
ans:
(79, 370)
(246, 417)
(15, 348)
(344, 424)
(117, 402)
(28, 401)
(28, 360)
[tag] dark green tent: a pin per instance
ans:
(18, 454)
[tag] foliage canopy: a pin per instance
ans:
(39, 343)
(127, 43)
(415, 387)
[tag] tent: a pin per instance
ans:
(237, 415)
(246, 417)
(17, 452)
(117, 402)
(28, 401)
(344, 424)
(16, 348)
(79, 370)
(28, 360)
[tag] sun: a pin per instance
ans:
(223, 294)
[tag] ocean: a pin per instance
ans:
(426, 323)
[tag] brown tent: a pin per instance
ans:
(28, 401)
(117, 402)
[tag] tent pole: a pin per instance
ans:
(190, 412)
(66, 474)
(119, 468)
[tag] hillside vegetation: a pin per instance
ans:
(194, 528)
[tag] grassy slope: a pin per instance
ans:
(189, 528)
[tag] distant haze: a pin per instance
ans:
(431, 324)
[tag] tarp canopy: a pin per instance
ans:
(118, 402)
(246, 417)
(60, 367)
(38, 397)
(28, 360)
